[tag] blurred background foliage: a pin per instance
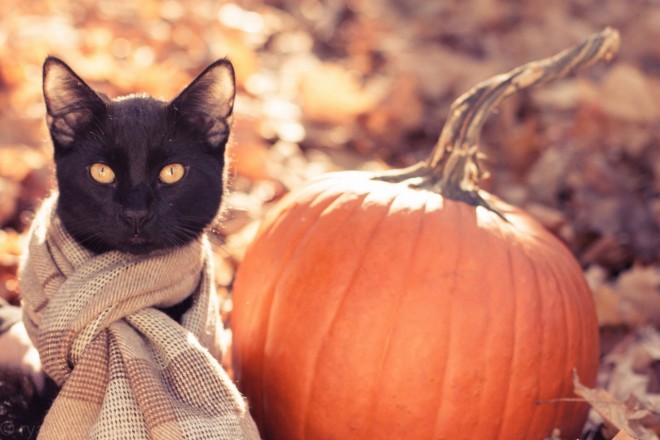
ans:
(354, 84)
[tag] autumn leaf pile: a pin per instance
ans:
(352, 84)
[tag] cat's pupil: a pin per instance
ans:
(172, 173)
(102, 173)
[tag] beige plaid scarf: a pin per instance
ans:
(127, 370)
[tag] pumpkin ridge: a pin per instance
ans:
(561, 253)
(496, 242)
(271, 299)
(396, 317)
(576, 304)
(545, 363)
(490, 241)
(538, 334)
(332, 322)
(589, 323)
(590, 327)
(581, 350)
(562, 327)
(454, 208)
(518, 265)
(514, 343)
(336, 199)
(572, 321)
(569, 323)
(254, 316)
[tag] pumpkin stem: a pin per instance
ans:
(453, 168)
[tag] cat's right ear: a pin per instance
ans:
(70, 103)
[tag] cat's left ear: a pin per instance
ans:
(207, 103)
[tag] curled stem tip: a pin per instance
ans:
(452, 168)
(457, 145)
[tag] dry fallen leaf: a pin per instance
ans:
(641, 287)
(9, 192)
(626, 94)
(629, 367)
(329, 93)
(622, 435)
(615, 412)
(632, 299)
(388, 121)
(612, 410)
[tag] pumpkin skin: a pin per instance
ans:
(412, 305)
(371, 310)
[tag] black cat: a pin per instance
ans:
(137, 174)
(134, 174)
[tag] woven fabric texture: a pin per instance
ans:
(127, 370)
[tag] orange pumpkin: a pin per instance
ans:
(412, 305)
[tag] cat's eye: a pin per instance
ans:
(172, 173)
(102, 173)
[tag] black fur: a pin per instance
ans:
(136, 137)
(22, 406)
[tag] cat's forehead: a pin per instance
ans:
(138, 120)
(138, 105)
(136, 131)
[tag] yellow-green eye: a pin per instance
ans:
(102, 173)
(172, 173)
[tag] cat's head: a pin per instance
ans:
(137, 174)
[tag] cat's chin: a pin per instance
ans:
(139, 247)
(137, 240)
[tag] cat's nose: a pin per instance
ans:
(135, 218)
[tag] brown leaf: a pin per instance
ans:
(628, 367)
(622, 435)
(641, 287)
(633, 299)
(626, 94)
(612, 410)
(400, 110)
(625, 400)
(9, 192)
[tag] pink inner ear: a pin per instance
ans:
(207, 103)
(69, 101)
(60, 88)
(221, 91)
(60, 129)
